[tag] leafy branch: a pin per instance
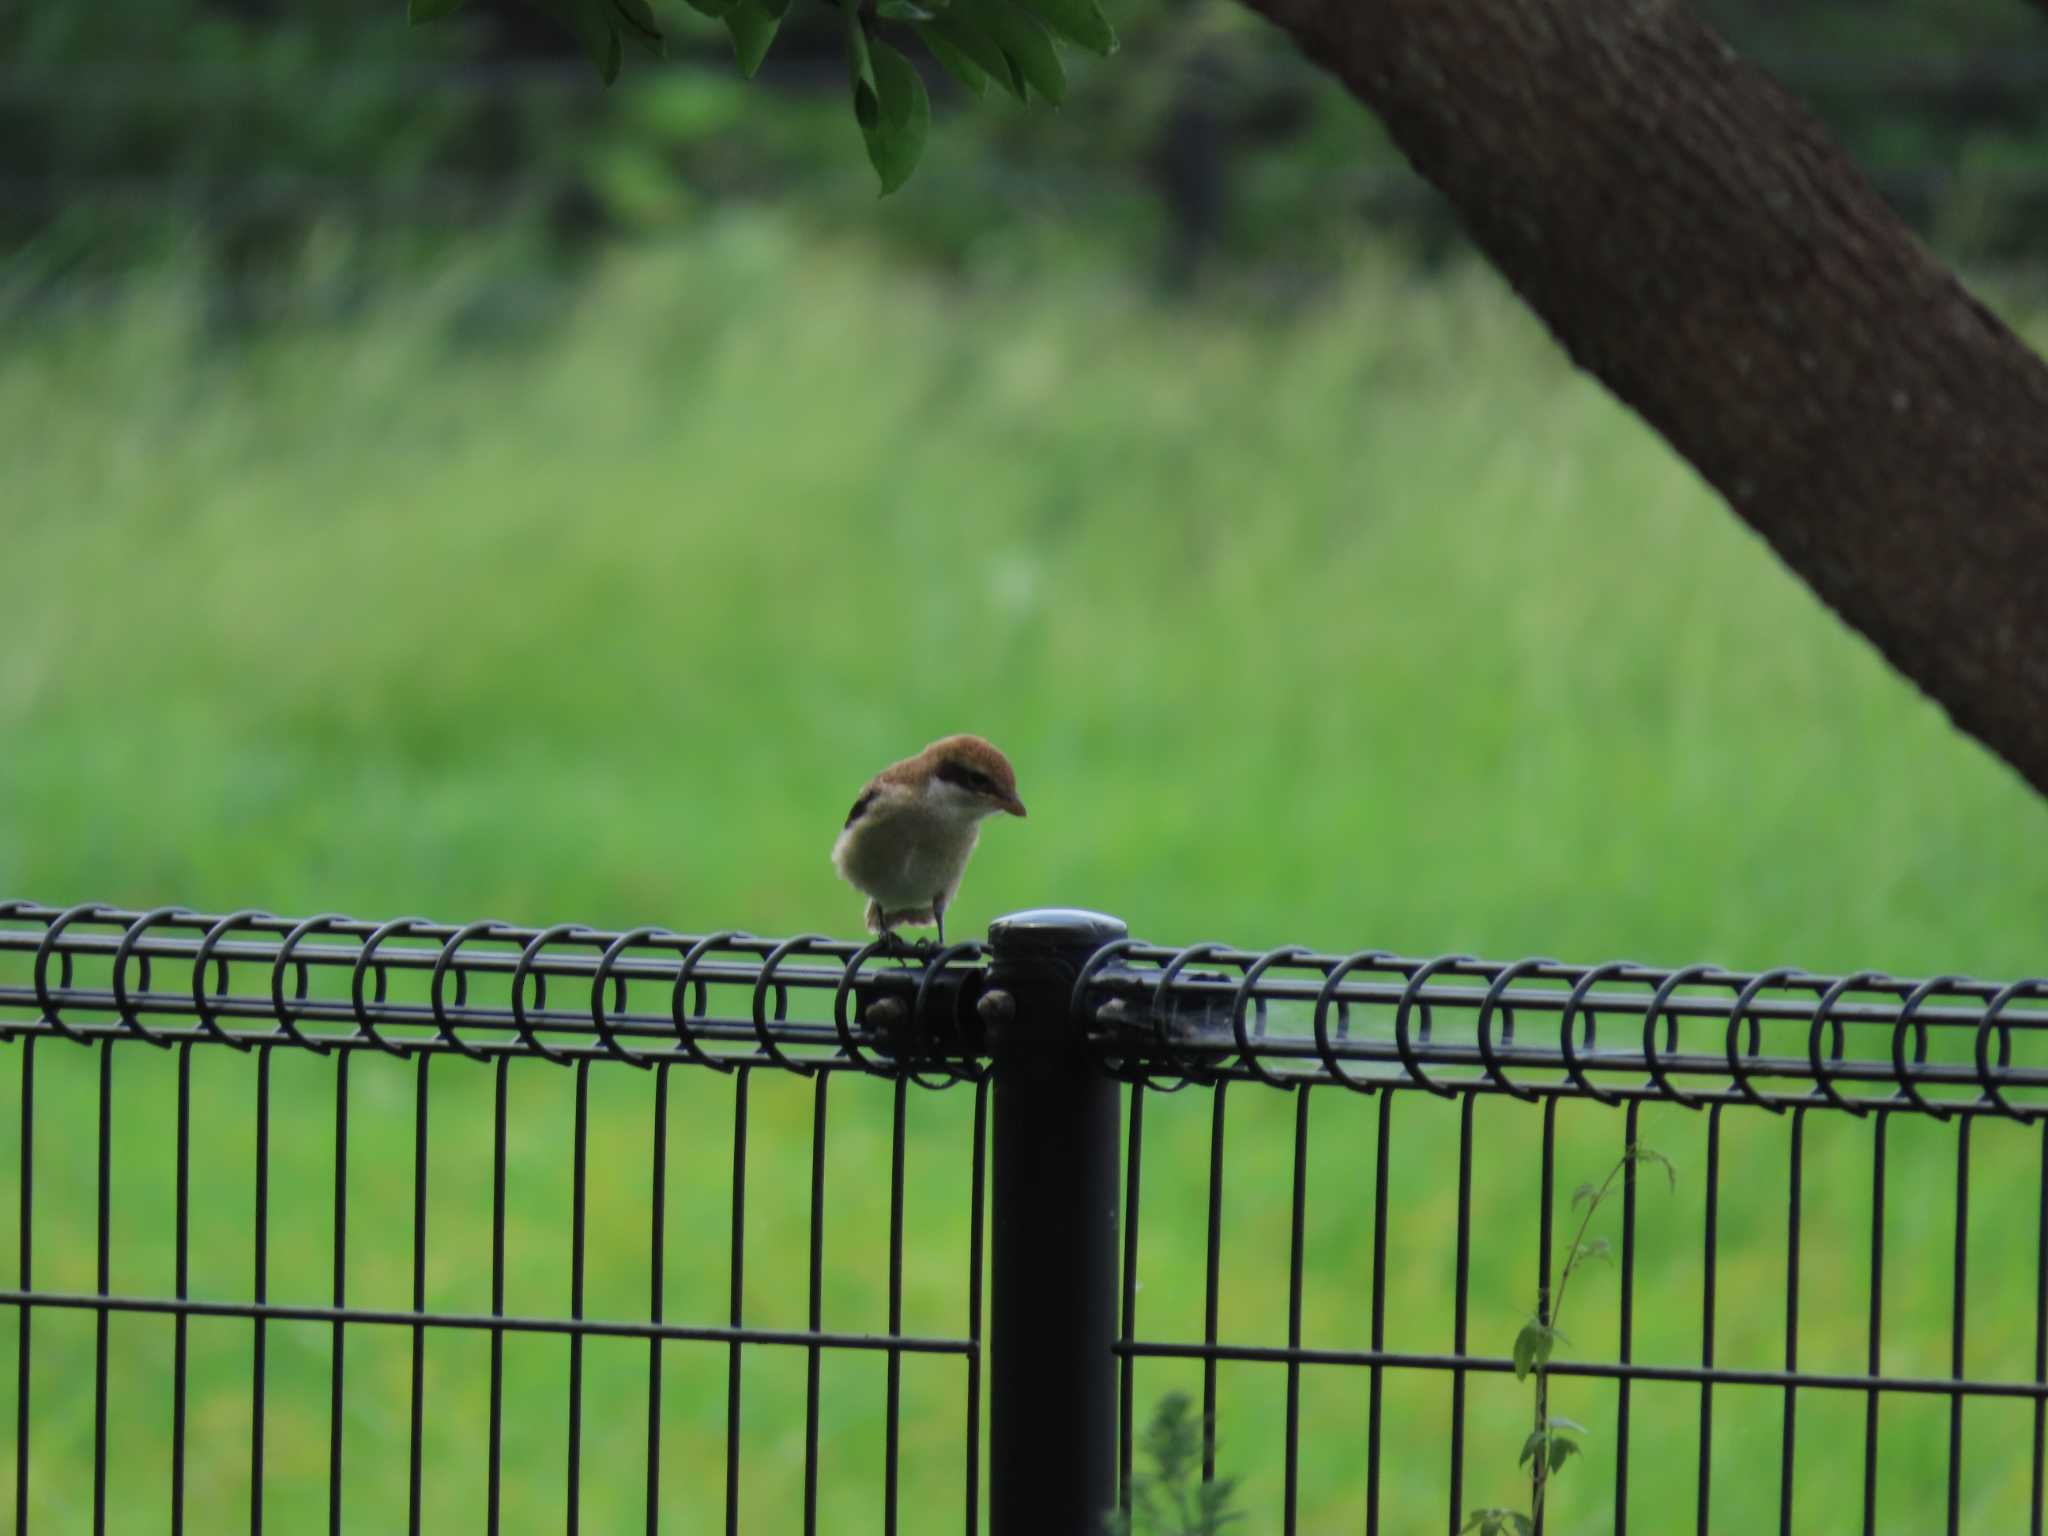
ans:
(1009, 42)
(1554, 1440)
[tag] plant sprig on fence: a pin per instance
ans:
(1553, 1440)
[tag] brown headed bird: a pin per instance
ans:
(908, 837)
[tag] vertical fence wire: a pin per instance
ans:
(1134, 1156)
(260, 1344)
(893, 1443)
(1375, 1386)
(1545, 1317)
(735, 1314)
(1296, 1266)
(494, 1470)
(25, 1261)
(181, 1281)
(337, 1387)
(977, 1209)
(1793, 1183)
(1212, 1278)
(1461, 1305)
(814, 1312)
(1709, 1274)
(1625, 1345)
(416, 1424)
(579, 1186)
(1961, 1284)
(657, 1273)
(2040, 1439)
(1874, 1350)
(101, 1319)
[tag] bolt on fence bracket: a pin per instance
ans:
(911, 1017)
(1053, 1281)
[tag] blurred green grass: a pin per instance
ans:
(1365, 622)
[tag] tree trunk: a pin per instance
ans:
(1694, 239)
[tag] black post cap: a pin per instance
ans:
(1055, 928)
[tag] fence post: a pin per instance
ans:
(1053, 1280)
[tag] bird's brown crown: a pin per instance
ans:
(974, 764)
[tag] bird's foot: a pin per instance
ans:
(913, 951)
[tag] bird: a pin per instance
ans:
(907, 839)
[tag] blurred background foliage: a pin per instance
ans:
(245, 123)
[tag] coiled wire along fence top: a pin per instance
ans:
(1532, 1028)
(1058, 987)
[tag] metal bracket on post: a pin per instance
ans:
(1053, 1280)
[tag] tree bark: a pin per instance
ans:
(1696, 241)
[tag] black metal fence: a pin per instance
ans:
(1861, 1143)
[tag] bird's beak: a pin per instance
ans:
(1014, 806)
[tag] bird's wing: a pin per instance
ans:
(867, 798)
(896, 782)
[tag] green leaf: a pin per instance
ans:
(1592, 1248)
(1025, 43)
(752, 26)
(1583, 1193)
(902, 10)
(1562, 1449)
(419, 11)
(1639, 1153)
(1559, 1421)
(1532, 1347)
(896, 138)
(715, 9)
(1078, 21)
(860, 72)
(953, 61)
(1533, 1446)
(860, 64)
(976, 43)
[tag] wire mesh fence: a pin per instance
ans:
(415, 1225)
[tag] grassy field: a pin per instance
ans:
(1366, 624)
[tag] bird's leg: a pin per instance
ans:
(886, 940)
(939, 917)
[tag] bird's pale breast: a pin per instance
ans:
(905, 855)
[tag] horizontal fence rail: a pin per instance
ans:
(1062, 1036)
(1528, 1028)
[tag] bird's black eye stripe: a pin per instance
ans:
(965, 777)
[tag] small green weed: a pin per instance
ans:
(1172, 1500)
